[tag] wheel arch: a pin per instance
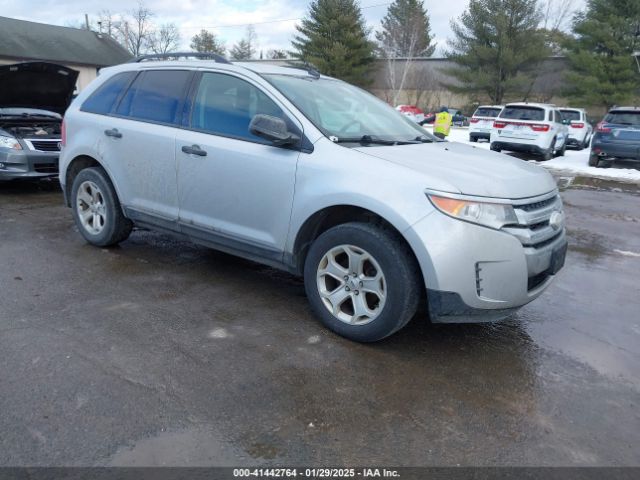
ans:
(75, 166)
(331, 216)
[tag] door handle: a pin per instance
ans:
(194, 150)
(113, 133)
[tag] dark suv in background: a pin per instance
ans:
(617, 137)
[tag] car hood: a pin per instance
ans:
(40, 85)
(473, 171)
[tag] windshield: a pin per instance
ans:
(523, 113)
(623, 118)
(487, 112)
(345, 113)
(570, 114)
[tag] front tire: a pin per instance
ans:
(362, 281)
(96, 209)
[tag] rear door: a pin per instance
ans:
(235, 189)
(139, 141)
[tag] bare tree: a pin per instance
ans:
(246, 48)
(397, 68)
(135, 29)
(165, 39)
(557, 14)
(107, 22)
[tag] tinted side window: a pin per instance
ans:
(156, 96)
(103, 99)
(225, 105)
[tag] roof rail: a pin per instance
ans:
(175, 55)
(310, 68)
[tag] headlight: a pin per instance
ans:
(10, 142)
(493, 215)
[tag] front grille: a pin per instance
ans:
(46, 145)
(46, 168)
(533, 228)
(537, 205)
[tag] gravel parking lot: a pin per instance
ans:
(159, 352)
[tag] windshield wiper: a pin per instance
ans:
(371, 140)
(423, 139)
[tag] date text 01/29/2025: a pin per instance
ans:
(315, 473)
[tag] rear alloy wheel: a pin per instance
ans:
(97, 210)
(361, 281)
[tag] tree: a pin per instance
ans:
(207, 42)
(246, 48)
(165, 39)
(406, 31)
(276, 54)
(405, 35)
(334, 38)
(134, 31)
(496, 46)
(603, 71)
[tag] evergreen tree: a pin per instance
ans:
(406, 31)
(333, 37)
(497, 45)
(245, 49)
(603, 71)
(207, 42)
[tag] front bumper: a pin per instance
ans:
(475, 274)
(17, 164)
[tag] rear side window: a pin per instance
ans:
(523, 113)
(570, 115)
(156, 96)
(623, 118)
(557, 117)
(104, 98)
(487, 112)
(225, 105)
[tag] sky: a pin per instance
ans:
(274, 20)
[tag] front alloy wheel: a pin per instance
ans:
(362, 281)
(351, 284)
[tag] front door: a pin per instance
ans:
(235, 189)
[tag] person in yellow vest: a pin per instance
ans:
(442, 123)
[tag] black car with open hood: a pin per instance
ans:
(33, 98)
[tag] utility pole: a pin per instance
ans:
(86, 21)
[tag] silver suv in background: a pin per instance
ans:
(314, 176)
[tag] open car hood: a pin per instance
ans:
(40, 85)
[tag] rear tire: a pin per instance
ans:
(495, 148)
(548, 154)
(473, 139)
(379, 299)
(594, 161)
(96, 209)
(562, 151)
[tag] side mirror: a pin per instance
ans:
(273, 129)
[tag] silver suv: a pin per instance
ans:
(309, 174)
